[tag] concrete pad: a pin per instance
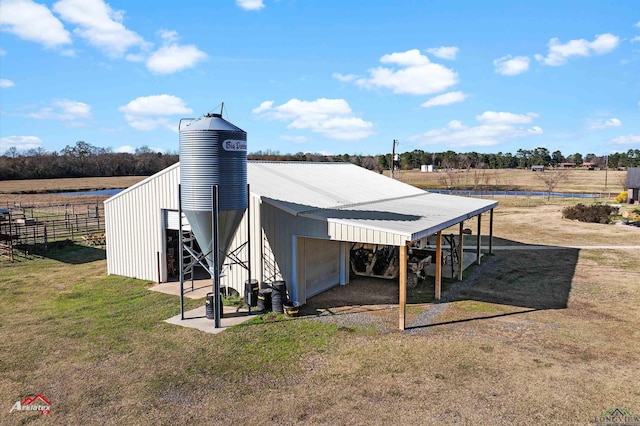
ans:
(197, 318)
(199, 289)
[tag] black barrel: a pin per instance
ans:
(279, 296)
(210, 303)
(251, 288)
(264, 299)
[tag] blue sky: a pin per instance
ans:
(324, 76)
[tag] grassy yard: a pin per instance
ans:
(530, 337)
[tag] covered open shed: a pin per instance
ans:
(301, 223)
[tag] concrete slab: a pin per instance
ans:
(197, 318)
(199, 290)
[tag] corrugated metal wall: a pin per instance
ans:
(342, 232)
(135, 223)
(134, 226)
(236, 275)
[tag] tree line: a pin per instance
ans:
(86, 160)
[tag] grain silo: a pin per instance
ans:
(213, 157)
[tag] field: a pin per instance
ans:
(530, 337)
(45, 191)
(578, 180)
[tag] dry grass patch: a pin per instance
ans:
(67, 184)
(578, 180)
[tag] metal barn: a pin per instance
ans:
(304, 218)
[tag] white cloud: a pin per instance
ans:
(20, 142)
(626, 140)
(264, 106)
(127, 149)
(603, 124)
(3, 52)
(445, 99)
(345, 78)
(150, 112)
(444, 52)
(4, 83)
(62, 109)
(332, 118)
(33, 22)
(100, 25)
(494, 117)
(559, 53)
(508, 65)
(250, 4)
(414, 74)
(636, 38)
(170, 36)
(174, 57)
(494, 128)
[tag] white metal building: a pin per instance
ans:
(304, 218)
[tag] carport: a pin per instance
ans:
(406, 220)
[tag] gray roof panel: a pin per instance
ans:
(351, 195)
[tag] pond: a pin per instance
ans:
(94, 192)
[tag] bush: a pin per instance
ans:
(622, 197)
(595, 213)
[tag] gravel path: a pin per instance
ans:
(427, 317)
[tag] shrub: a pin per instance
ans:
(622, 197)
(595, 213)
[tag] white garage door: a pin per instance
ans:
(321, 265)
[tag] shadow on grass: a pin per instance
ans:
(71, 253)
(477, 318)
(530, 277)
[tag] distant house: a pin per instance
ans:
(566, 165)
(633, 184)
(589, 165)
(537, 168)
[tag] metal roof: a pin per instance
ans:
(344, 193)
(351, 195)
(633, 177)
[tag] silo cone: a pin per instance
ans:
(213, 152)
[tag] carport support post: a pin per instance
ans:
(491, 232)
(438, 284)
(460, 252)
(402, 308)
(479, 238)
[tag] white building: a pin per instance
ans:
(304, 218)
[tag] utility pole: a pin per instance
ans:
(393, 156)
(606, 170)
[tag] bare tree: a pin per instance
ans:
(622, 180)
(551, 179)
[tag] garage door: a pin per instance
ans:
(321, 265)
